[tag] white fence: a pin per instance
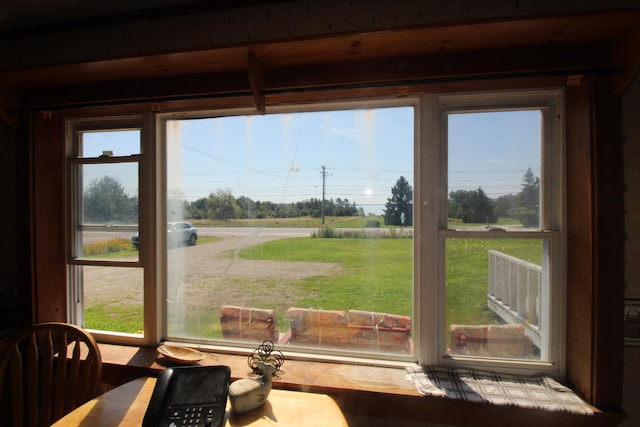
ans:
(514, 292)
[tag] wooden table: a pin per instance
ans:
(126, 405)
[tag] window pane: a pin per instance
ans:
(113, 298)
(293, 240)
(494, 169)
(109, 143)
(494, 297)
(109, 215)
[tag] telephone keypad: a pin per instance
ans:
(196, 416)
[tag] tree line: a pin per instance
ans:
(223, 205)
(105, 201)
(476, 207)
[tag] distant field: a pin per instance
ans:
(329, 221)
(302, 222)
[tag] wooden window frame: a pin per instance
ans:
(595, 234)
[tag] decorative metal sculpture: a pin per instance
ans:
(266, 353)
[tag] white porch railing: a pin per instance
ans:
(514, 292)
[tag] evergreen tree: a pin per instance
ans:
(528, 211)
(530, 193)
(399, 207)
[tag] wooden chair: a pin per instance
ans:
(47, 371)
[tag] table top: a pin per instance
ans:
(126, 405)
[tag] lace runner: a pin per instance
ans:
(498, 389)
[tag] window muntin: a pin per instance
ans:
(268, 174)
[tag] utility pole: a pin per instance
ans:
(324, 179)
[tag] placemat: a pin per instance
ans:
(538, 392)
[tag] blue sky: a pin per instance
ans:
(279, 157)
(493, 150)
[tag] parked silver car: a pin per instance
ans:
(178, 234)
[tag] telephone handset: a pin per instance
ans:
(189, 395)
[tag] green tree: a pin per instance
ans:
(505, 206)
(472, 206)
(105, 201)
(399, 207)
(197, 209)
(247, 206)
(344, 208)
(530, 190)
(223, 206)
(459, 204)
(528, 210)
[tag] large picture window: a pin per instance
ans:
(425, 229)
(304, 228)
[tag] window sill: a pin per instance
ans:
(361, 391)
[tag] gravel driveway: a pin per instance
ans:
(209, 275)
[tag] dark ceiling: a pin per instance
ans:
(20, 17)
(528, 45)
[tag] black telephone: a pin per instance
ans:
(189, 396)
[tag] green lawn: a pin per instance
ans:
(467, 272)
(375, 275)
(378, 273)
(113, 317)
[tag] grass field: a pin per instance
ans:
(375, 275)
(467, 272)
(378, 273)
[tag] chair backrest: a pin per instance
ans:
(47, 371)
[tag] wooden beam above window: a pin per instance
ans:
(626, 54)
(256, 80)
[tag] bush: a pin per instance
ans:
(528, 217)
(324, 232)
(107, 247)
(372, 224)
